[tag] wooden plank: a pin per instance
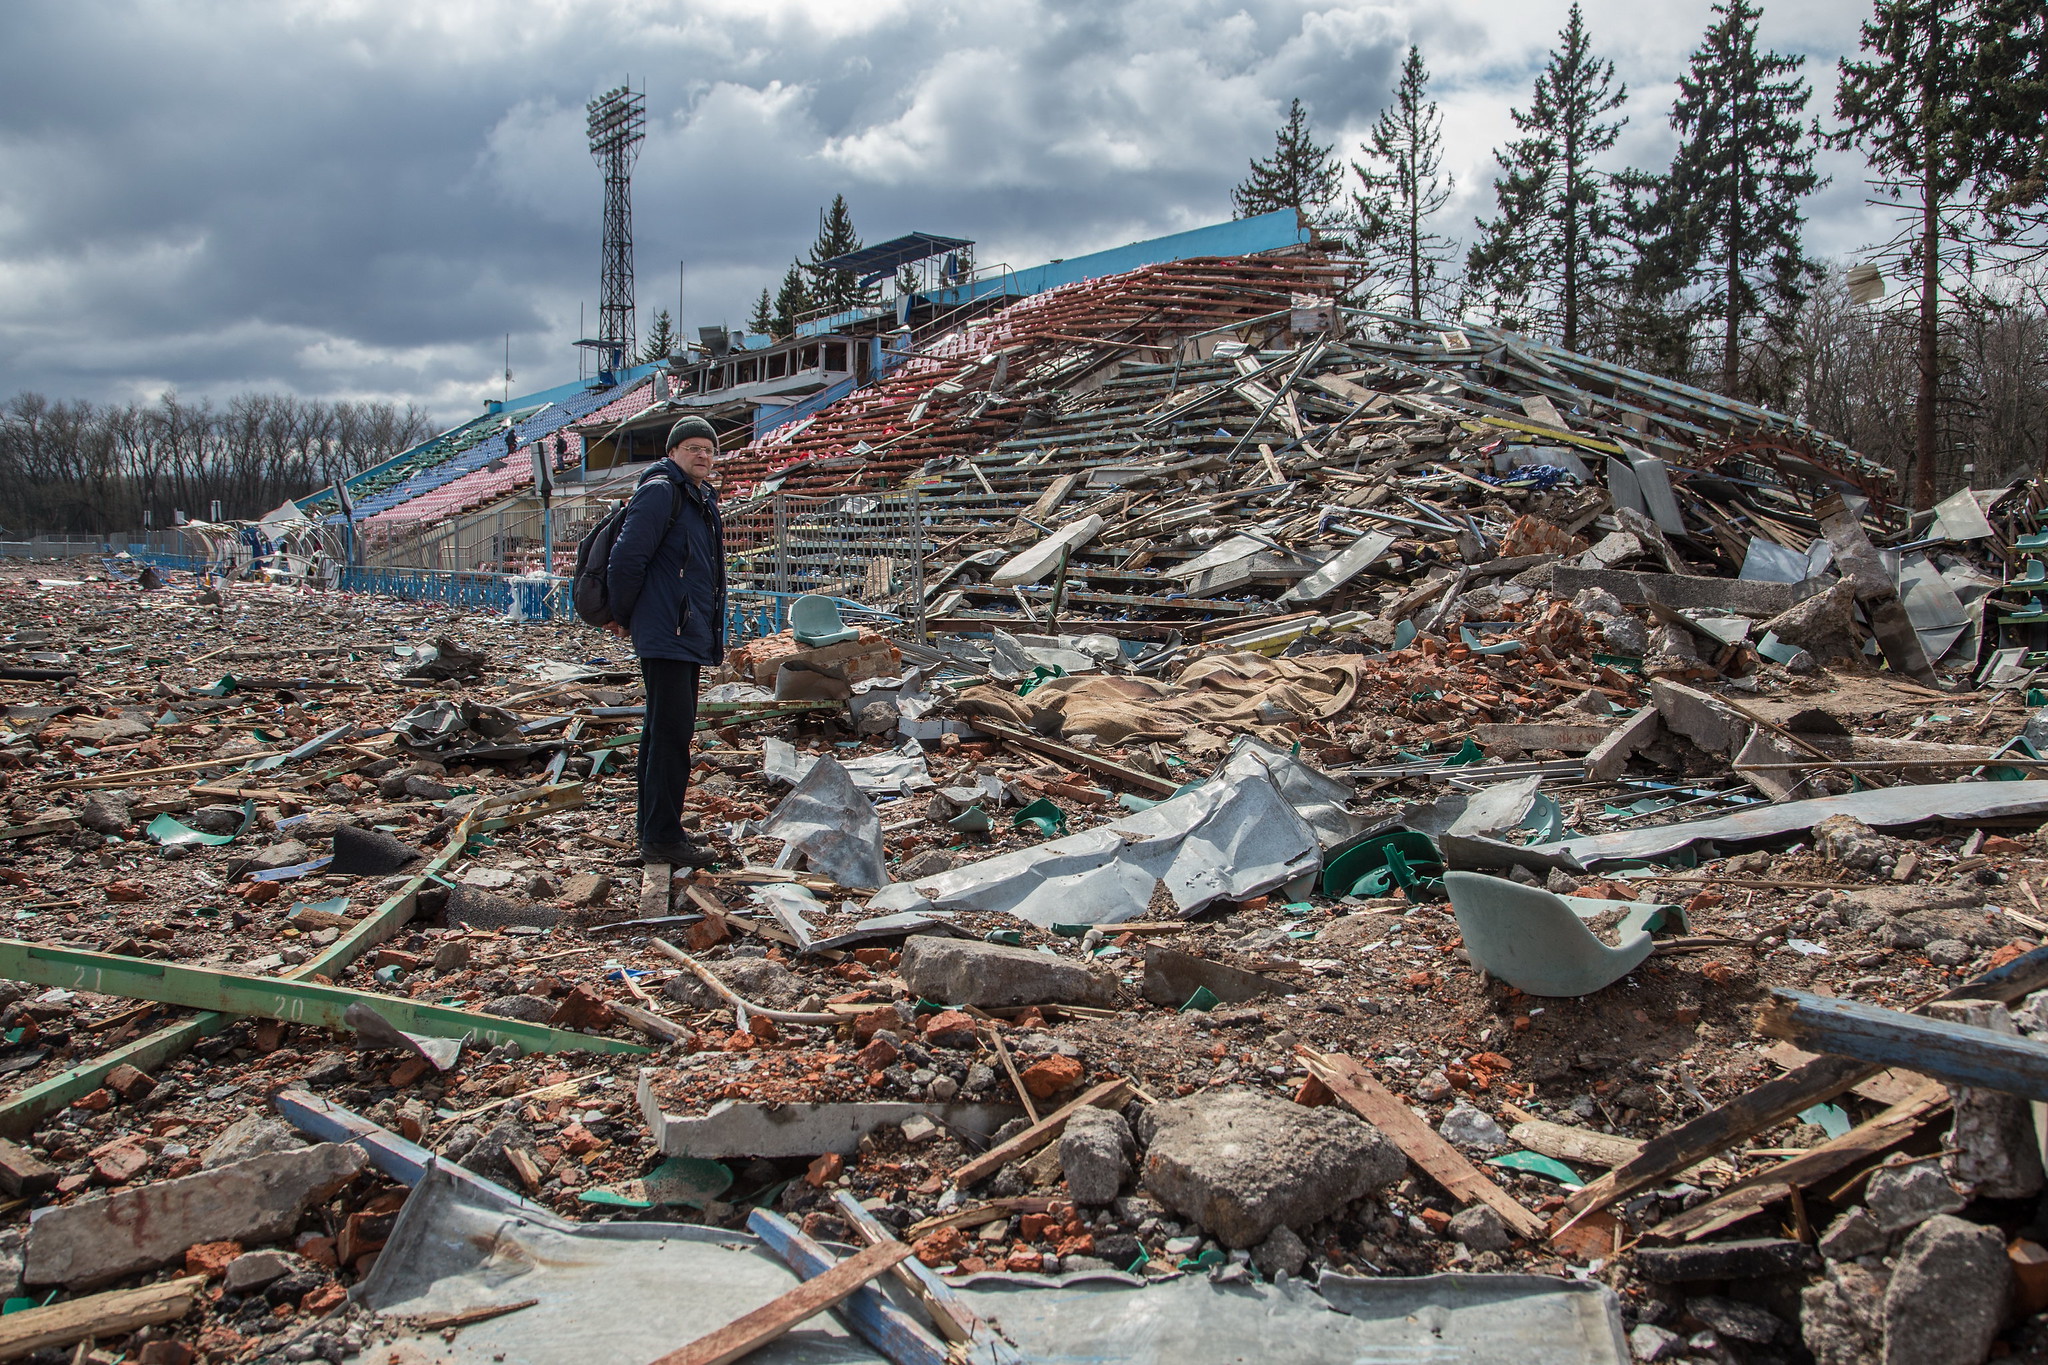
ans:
(111, 1314)
(293, 1000)
(948, 1311)
(774, 1318)
(1582, 1145)
(56, 824)
(1107, 1095)
(441, 1322)
(1067, 753)
(1436, 1158)
(995, 1036)
(123, 779)
(1760, 1191)
(1959, 1054)
(880, 1323)
(1885, 1088)
(650, 1023)
(1775, 1101)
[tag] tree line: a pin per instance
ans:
(94, 468)
(1698, 271)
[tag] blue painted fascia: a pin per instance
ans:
(1240, 237)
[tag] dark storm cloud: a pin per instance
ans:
(362, 197)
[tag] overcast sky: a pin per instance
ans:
(361, 198)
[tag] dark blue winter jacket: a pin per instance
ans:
(667, 578)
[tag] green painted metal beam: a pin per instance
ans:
(22, 1113)
(294, 1002)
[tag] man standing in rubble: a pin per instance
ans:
(666, 585)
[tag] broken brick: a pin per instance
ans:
(1047, 1078)
(130, 1084)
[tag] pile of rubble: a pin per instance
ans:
(1415, 823)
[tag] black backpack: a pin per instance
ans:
(589, 589)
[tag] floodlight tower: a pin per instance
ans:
(617, 126)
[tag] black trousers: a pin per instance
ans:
(663, 768)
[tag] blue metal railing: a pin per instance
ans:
(749, 613)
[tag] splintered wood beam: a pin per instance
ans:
(1108, 1095)
(1436, 1158)
(948, 1311)
(880, 1323)
(772, 1319)
(1773, 1102)
(1760, 1191)
(1959, 1054)
(111, 1314)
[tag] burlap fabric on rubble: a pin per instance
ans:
(1211, 699)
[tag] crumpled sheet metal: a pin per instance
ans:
(1476, 815)
(637, 1290)
(834, 825)
(1961, 515)
(1888, 807)
(1938, 615)
(607, 1291)
(1233, 837)
(1317, 798)
(1438, 1319)
(895, 773)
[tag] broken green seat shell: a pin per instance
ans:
(1538, 941)
(1399, 859)
(814, 621)
(1043, 816)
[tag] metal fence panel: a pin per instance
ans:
(866, 547)
(54, 547)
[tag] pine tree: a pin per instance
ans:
(763, 320)
(661, 338)
(1403, 189)
(1908, 107)
(1550, 246)
(835, 290)
(792, 301)
(2010, 70)
(1300, 174)
(1726, 217)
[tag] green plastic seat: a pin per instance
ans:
(1400, 858)
(815, 623)
(2034, 575)
(1538, 942)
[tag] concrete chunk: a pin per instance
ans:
(1242, 1165)
(1947, 1296)
(1042, 558)
(1741, 596)
(85, 1245)
(987, 975)
(250, 1136)
(1171, 976)
(1095, 1154)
